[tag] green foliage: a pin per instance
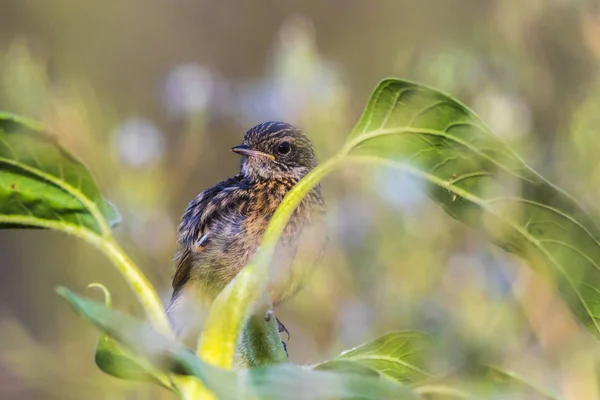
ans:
(409, 127)
(478, 180)
(509, 379)
(162, 355)
(398, 355)
(43, 186)
(110, 357)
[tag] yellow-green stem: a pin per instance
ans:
(139, 284)
(192, 389)
(133, 276)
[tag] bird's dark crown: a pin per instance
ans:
(286, 152)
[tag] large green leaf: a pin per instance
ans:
(397, 355)
(112, 358)
(515, 381)
(480, 181)
(161, 356)
(43, 186)
(407, 357)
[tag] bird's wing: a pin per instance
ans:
(194, 234)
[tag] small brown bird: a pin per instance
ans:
(224, 225)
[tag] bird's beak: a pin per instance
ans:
(247, 151)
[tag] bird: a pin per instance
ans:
(223, 226)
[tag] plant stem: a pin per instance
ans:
(138, 282)
(142, 288)
(188, 387)
(192, 389)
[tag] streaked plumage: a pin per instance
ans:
(223, 226)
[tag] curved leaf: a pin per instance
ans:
(482, 382)
(402, 356)
(148, 358)
(480, 181)
(162, 355)
(347, 366)
(510, 379)
(397, 355)
(288, 381)
(114, 360)
(111, 358)
(43, 186)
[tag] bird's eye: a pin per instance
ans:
(284, 148)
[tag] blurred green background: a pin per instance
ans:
(152, 94)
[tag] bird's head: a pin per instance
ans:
(275, 150)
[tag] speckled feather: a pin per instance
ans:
(223, 226)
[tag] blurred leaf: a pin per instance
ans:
(397, 355)
(43, 186)
(111, 358)
(478, 180)
(288, 381)
(26, 87)
(347, 366)
(150, 350)
(511, 379)
(161, 355)
(482, 382)
(401, 356)
(477, 389)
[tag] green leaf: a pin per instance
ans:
(510, 379)
(477, 179)
(482, 382)
(397, 355)
(161, 355)
(347, 366)
(482, 388)
(402, 356)
(288, 381)
(111, 358)
(145, 352)
(43, 186)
